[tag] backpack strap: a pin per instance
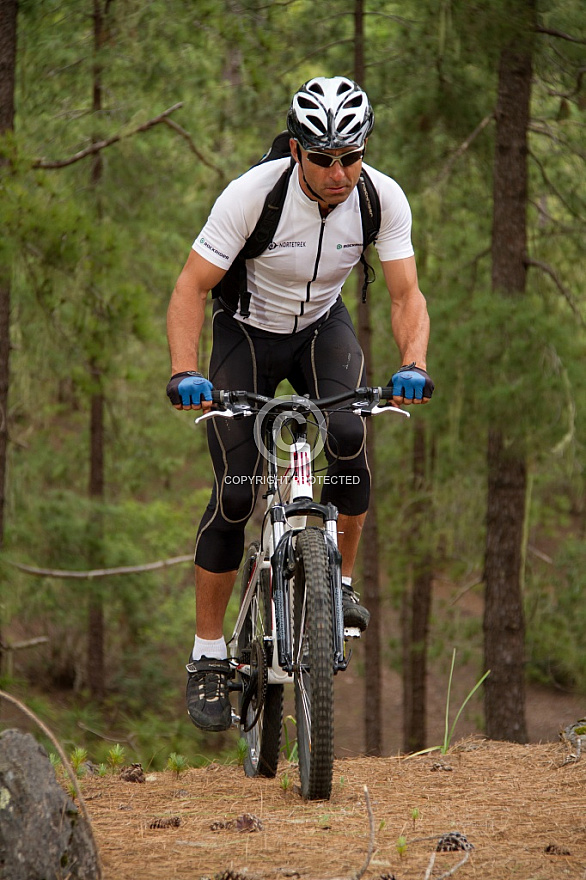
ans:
(370, 214)
(232, 291)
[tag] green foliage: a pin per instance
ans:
(285, 782)
(116, 757)
(449, 731)
(556, 618)
(78, 758)
(177, 764)
(290, 748)
(241, 751)
(92, 266)
(401, 846)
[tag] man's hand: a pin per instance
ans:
(189, 390)
(411, 384)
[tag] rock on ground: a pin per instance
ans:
(42, 833)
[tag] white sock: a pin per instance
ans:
(347, 581)
(215, 648)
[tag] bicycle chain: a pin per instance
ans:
(256, 689)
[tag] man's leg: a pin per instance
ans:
(332, 362)
(349, 531)
(212, 594)
(220, 541)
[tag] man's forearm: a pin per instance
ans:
(185, 317)
(410, 325)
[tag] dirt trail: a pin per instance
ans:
(523, 809)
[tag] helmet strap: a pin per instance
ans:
(311, 190)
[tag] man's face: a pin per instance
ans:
(332, 185)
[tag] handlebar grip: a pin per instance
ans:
(216, 396)
(386, 392)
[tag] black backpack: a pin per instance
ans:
(232, 290)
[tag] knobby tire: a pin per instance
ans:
(313, 665)
(264, 738)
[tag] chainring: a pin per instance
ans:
(256, 688)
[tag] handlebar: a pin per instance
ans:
(360, 401)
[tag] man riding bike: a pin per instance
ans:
(296, 327)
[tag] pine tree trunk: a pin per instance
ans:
(96, 626)
(370, 592)
(417, 603)
(504, 627)
(8, 20)
(373, 725)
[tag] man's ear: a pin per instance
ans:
(294, 147)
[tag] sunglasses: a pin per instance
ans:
(326, 160)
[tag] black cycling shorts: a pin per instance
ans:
(323, 359)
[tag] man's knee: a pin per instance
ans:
(236, 499)
(346, 436)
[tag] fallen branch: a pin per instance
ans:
(430, 866)
(455, 868)
(113, 739)
(100, 572)
(101, 145)
(563, 290)
(462, 148)
(553, 32)
(369, 853)
(360, 873)
(185, 134)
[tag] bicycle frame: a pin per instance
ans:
(290, 625)
(286, 515)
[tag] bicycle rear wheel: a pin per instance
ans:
(313, 665)
(260, 704)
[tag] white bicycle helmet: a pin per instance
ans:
(329, 113)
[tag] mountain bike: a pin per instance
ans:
(290, 626)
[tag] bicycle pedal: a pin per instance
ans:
(352, 632)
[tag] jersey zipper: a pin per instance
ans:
(315, 269)
(317, 258)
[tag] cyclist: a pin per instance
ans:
(297, 328)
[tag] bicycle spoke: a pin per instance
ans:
(313, 652)
(260, 722)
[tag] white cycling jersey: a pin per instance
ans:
(301, 273)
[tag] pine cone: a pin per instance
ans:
(166, 822)
(134, 773)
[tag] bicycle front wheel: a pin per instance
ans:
(261, 704)
(313, 668)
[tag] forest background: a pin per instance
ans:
(127, 120)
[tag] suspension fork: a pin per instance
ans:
(335, 569)
(283, 563)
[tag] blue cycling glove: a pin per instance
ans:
(412, 383)
(188, 389)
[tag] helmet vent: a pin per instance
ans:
(307, 103)
(316, 87)
(315, 120)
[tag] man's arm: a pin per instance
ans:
(409, 317)
(186, 312)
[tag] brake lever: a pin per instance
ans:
(376, 409)
(223, 414)
(373, 409)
